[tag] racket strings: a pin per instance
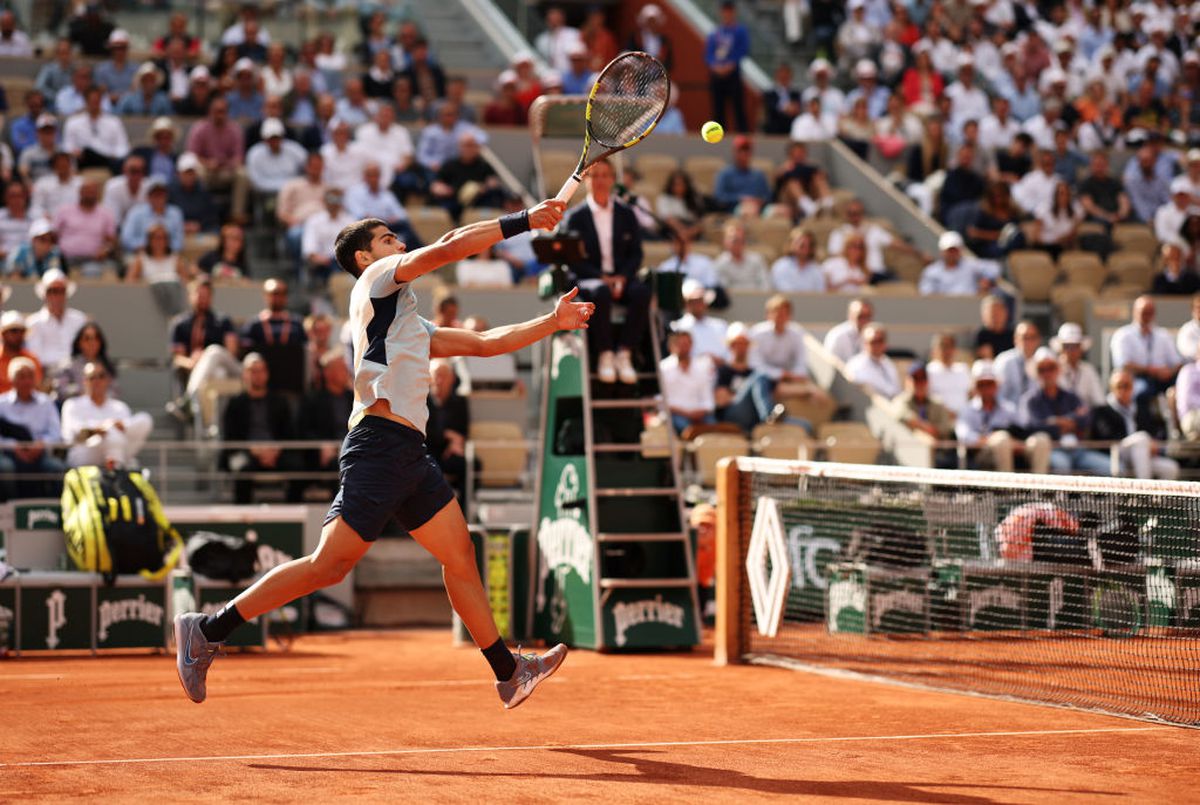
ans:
(630, 96)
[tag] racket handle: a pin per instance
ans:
(568, 189)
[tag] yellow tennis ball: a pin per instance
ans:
(712, 132)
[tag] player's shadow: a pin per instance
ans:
(662, 772)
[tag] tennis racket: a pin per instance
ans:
(625, 104)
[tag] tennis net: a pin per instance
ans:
(1064, 590)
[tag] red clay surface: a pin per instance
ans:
(403, 716)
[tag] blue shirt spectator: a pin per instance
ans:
(740, 180)
(672, 122)
(1147, 187)
(154, 211)
(135, 104)
(116, 79)
(1024, 103)
(439, 141)
(364, 201)
(38, 254)
(22, 132)
(245, 106)
(726, 46)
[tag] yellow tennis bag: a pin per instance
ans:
(115, 524)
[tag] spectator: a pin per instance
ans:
(555, 43)
(177, 32)
(300, 104)
(70, 99)
(278, 336)
(597, 37)
(844, 340)
(1138, 428)
(868, 88)
(648, 35)
(87, 231)
(926, 158)
(989, 428)
(1187, 397)
(200, 95)
(1057, 223)
(922, 84)
(1013, 162)
(276, 77)
(1048, 408)
(679, 206)
(898, 129)
(799, 271)
(781, 103)
(246, 29)
(23, 405)
(741, 395)
(953, 275)
(857, 39)
(300, 198)
(1012, 365)
(438, 142)
(997, 130)
(258, 414)
(377, 80)
(1103, 198)
(145, 98)
(191, 197)
(833, 100)
(320, 234)
(34, 161)
(737, 268)
(52, 328)
(848, 272)
(449, 424)
(506, 109)
(740, 185)
(101, 429)
(38, 254)
(606, 275)
(354, 106)
(344, 159)
(90, 30)
(856, 128)
(12, 347)
(244, 99)
(1169, 218)
(96, 138)
(872, 367)
(326, 411)
(115, 76)
(127, 189)
(154, 210)
(13, 42)
(467, 180)
(56, 75)
(1188, 339)
(425, 76)
(1174, 278)
(688, 383)
(1076, 374)
(724, 50)
(228, 260)
(875, 238)
(88, 346)
(813, 124)
(1146, 351)
(1035, 190)
(275, 161)
(15, 219)
(578, 77)
(318, 328)
(389, 144)
(963, 186)
(175, 67)
(529, 86)
(778, 351)
(1042, 126)
(371, 199)
(707, 332)
(921, 412)
(1147, 188)
(161, 156)
(218, 143)
(164, 269)
(203, 345)
(695, 266)
(993, 231)
(1068, 163)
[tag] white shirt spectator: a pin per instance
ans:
(967, 104)
(844, 341)
(269, 171)
(1041, 132)
(689, 389)
(950, 385)
(39, 416)
(119, 198)
(774, 353)
(17, 44)
(343, 169)
(1012, 370)
(1130, 345)
(13, 231)
(554, 47)
(878, 375)
(876, 238)
(321, 231)
(708, 335)
(104, 134)
(1167, 222)
(49, 338)
(788, 276)
(602, 219)
(993, 134)
(1188, 339)
(236, 35)
(841, 277)
(1034, 190)
(943, 54)
(389, 148)
(749, 273)
(833, 100)
(1058, 225)
(1083, 380)
(50, 195)
(362, 203)
(80, 413)
(962, 280)
(698, 267)
(807, 128)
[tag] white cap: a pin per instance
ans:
(46, 119)
(693, 289)
(1070, 333)
(1181, 184)
(577, 48)
(552, 78)
(42, 226)
(521, 57)
(965, 60)
(272, 127)
(736, 330)
(119, 36)
(649, 11)
(506, 77)
(162, 124)
(1043, 355)
(187, 162)
(199, 73)
(1193, 154)
(147, 69)
(983, 370)
(12, 320)
(17, 364)
(921, 46)
(243, 65)
(854, 5)
(865, 68)
(1063, 46)
(819, 65)
(52, 277)
(1191, 57)
(950, 240)
(1010, 49)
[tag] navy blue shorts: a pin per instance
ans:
(386, 471)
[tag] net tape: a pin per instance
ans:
(1066, 591)
(630, 95)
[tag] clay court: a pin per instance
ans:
(403, 716)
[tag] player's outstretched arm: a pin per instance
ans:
(446, 342)
(459, 244)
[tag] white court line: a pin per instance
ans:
(452, 750)
(11, 677)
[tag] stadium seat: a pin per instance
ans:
(897, 288)
(841, 199)
(1071, 301)
(770, 235)
(821, 227)
(810, 409)
(1131, 268)
(785, 447)
(656, 441)
(703, 171)
(501, 465)
(713, 226)
(656, 252)
(655, 168)
(849, 442)
(709, 448)
(1122, 290)
(430, 223)
(557, 167)
(1135, 237)
(1034, 273)
(197, 245)
(905, 265)
(711, 250)
(1083, 269)
(765, 165)
(473, 215)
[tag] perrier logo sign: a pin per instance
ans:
(564, 544)
(138, 609)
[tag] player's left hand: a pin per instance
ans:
(571, 315)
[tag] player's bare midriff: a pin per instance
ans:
(381, 408)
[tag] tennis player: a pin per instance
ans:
(386, 470)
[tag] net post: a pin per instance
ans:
(727, 641)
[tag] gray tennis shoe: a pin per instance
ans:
(531, 670)
(193, 654)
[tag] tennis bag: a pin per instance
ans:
(115, 524)
(222, 557)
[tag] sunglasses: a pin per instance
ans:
(55, 291)
(1045, 370)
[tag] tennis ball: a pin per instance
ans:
(712, 132)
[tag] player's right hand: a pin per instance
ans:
(547, 214)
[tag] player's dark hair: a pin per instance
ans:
(355, 238)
